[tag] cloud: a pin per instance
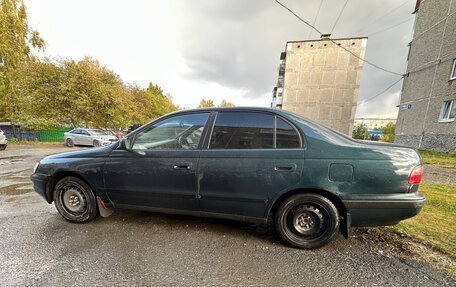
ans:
(218, 49)
(237, 43)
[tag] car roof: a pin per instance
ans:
(231, 109)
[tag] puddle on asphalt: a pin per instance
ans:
(16, 189)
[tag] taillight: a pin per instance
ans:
(416, 175)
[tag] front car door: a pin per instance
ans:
(250, 157)
(160, 170)
(85, 138)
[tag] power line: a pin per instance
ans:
(316, 16)
(319, 32)
(381, 17)
(297, 16)
(390, 27)
(382, 92)
(338, 17)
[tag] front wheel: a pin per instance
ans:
(307, 220)
(96, 143)
(75, 200)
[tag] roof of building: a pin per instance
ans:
(326, 39)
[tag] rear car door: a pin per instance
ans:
(75, 135)
(250, 157)
(160, 170)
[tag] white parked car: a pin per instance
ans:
(3, 140)
(92, 137)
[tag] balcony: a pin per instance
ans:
(279, 101)
(282, 69)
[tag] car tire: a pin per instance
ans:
(307, 221)
(96, 143)
(75, 200)
(3, 147)
(69, 142)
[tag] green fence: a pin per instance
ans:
(53, 135)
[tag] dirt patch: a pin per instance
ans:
(439, 175)
(390, 242)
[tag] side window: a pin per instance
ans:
(84, 133)
(243, 130)
(179, 132)
(286, 135)
(75, 132)
(448, 111)
(453, 71)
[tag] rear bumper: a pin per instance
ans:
(40, 185)
(383, 209)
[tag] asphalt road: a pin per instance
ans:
(39, 248)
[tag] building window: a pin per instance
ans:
(453, 71)
(447, 112)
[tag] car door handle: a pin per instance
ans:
(285, 167)
(182, 166)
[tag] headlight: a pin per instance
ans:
(36, 166)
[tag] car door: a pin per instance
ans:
(75, 135)
(85, 137)
(251, 156)
(160, 169)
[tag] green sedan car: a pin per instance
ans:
(251, 164)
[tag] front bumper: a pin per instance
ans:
(383, 209)
(40, 182)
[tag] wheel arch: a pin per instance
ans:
(56, 177)
(332, 197)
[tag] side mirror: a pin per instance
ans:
(125, 144)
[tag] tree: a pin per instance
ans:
(67, 92)
(206, 104)
(361, 132)
(224, 103)
(160, 103)
(46, 93)
(388, 132)
(16, 41)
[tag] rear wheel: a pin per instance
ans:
(75, 200)
(96, 143)
(307, 220)
(69, 142)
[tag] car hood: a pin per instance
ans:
(85, 153)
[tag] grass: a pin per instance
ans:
(442, 159)
(18, 142)
(434, 227)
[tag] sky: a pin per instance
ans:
(223, 49)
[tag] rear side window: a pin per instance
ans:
(243, 130)
(286, 135)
